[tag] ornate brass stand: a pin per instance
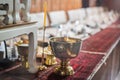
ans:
(43, 45)
(64, 69)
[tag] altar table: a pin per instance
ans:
(99, 58)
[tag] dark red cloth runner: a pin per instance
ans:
(83, 65)
(102, 41)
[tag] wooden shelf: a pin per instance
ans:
(14, 25)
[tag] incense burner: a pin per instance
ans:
(65, 49)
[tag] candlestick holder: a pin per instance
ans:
(43, 45)
(42, 66)
(50, 58)
(65, 49)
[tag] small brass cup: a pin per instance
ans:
(23, 51)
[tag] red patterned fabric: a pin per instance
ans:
(83, 65)
(102, 41)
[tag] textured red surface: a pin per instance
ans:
(102, 41)
(83, 65)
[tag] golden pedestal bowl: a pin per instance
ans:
(65, 49)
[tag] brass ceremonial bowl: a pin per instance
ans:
(42, 44)
(23, 52)
(23, 49)
(65, 49)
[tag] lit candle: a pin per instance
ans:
(42, 67)
(45, 13)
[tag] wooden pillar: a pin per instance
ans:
(85, 3)
(92, 3)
